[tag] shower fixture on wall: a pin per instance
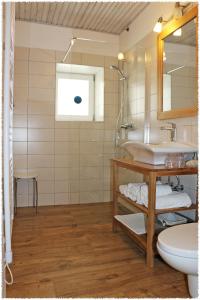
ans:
(122, 123)
(74, 39)
(113, 67)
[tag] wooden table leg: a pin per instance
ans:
(151, 219)
(114, 182)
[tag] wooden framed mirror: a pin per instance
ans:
(177, 47)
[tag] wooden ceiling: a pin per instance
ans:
(108, 17)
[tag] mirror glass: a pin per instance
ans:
(179, 68)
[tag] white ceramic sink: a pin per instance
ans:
(156, 154)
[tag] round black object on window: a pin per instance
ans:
(77, 99)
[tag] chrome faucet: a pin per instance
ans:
(172, 130)
(127, 126)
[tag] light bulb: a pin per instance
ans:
(178, 32)
(73, 41)
(164, 56)
(120, 56)
(158, 26)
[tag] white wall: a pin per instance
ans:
(144, 24)
(142, 101)
(32, 35)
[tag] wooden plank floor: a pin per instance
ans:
(70, 251)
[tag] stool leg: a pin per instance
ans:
(15, 195)
(36, 190)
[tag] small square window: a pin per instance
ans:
(79, 93)
(75, 97)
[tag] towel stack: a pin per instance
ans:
(165, 198)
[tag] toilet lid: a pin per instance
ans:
(180, 240)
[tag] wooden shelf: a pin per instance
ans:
(165, 210)
(141, 239)
(145, 241)
(157, 211)
(160, 170)
(139, 206)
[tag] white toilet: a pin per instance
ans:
(178, 246)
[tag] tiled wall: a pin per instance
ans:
(136, 89)
(71, 158)
(183, 86)
(143, 107)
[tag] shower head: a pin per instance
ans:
(115, 68)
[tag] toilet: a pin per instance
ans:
(178, 246)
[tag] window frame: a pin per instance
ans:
(91, 100)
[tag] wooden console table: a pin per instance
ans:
(145, 240)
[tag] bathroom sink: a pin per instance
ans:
(156, 154)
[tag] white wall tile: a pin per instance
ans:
(45, 199)
(42, 68)
(62, 186)
(41, 108)
(20, 121)
(73, 58)
(66, 173)
(40, 161)
(91, 197)
(66, 148)
(41, 81)
(74, 198)
(92, 60)
(21, 67)
(91, 135)
(20, 94)
(21, 53)
(42, 55)
(70, 135)
(20, 107)
(40, 135)
(74, 186)
(41, 121)
(45, 187)
(67, 160)
(21, 81)
(40, 148)
(20, 161)
(91, 160)
(62, 198)
(41, 94)
(19, 148)
(91, 172)
(110, 61)
(20, 134)
(62, 153)
(69, 125)
(91, 147)
(88, 185)
(45, 173)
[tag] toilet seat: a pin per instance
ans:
(180, 240)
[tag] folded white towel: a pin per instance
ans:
(139, 191)
(124, 189)
(134, 189)
(175, 199)
(161, 190)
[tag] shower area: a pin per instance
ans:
(134, 88)
(72, 158)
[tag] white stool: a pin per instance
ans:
(24, 174)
